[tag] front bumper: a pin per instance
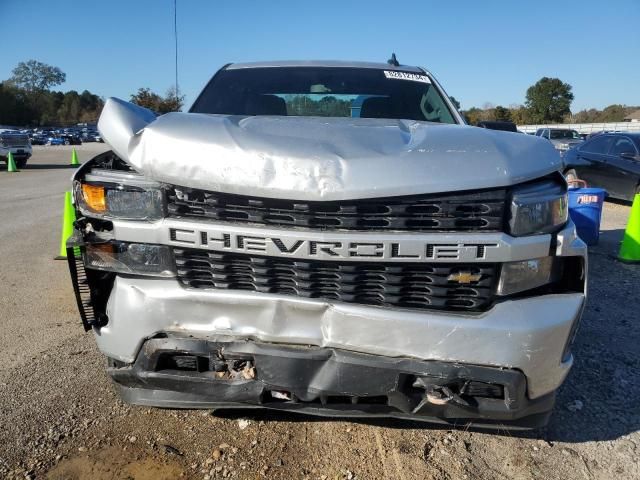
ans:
(527, 337)
(528, 334)
(25, 155)
(182, 372)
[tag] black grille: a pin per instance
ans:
(474, 211)
(410, 285)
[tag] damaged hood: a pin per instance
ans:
(314, 158)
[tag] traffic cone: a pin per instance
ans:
(11, 163)
(630, 248)
(68, 217)
(74, 158)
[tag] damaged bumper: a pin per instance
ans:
(528, 334)
(182, 372)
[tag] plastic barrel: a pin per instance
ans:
(585, 209)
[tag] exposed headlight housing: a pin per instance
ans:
(119, 195)
(131, 258)
(526, 275)
(538, 208)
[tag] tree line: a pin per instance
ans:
(27, 99)
(547, 101)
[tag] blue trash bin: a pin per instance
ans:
(585, 209)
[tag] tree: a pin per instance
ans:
(613, 113)
(34, 76)
(171, 102)
(549, 100)
(473, 115)
(69, 110)
(501, 114)
(146, 98)
(520, 115)
(15, 108)
(455, 102)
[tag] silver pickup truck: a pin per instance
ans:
(16, 143)
(328, 238)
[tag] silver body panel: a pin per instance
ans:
(314, 158)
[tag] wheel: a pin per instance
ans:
(21, 163)
(571, 175)
(66, 142)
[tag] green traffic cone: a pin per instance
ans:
(68, 217)
(74, 158)
(11, 163)
(630, 248)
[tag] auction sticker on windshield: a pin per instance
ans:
(415, 77)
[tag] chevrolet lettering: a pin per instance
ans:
(330, 250)
(328, 238)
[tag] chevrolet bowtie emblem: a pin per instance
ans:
(464, 278)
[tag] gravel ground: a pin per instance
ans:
(61, 419)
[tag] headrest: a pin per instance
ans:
(377, 107)
(265, 105)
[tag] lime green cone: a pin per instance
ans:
(630, 248)
(68, 217)
(11, 163)
(74, 158)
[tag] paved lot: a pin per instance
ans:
(61, 420)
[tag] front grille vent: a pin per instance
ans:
(14, 140)
(470, 211)
(409, 285)
(81, 288)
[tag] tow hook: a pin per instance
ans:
(440, 395)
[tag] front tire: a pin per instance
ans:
(21, 163)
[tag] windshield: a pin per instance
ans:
(324, 92)
(562, 134)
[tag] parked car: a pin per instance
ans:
(38, 139)
(91, 136)
(71, 139)
(271, 249)
(610, 161)
(55, 140)
(18, 144)
(562, 138)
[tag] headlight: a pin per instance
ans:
(116, 200)
(525, 275)
(538, 208)
(133, 258)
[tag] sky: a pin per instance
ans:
(480, 51)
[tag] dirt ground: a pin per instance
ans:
(60, 418)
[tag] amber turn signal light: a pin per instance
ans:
(94, 197)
